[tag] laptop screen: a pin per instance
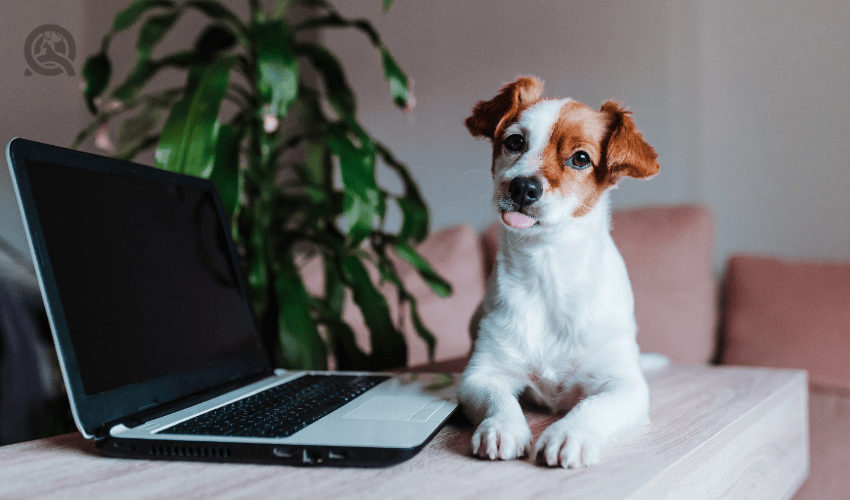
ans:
(144, 274)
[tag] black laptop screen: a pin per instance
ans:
(144, 273)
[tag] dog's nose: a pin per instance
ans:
(524, 191)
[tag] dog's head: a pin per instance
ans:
(554, 158)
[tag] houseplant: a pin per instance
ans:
(248, 116)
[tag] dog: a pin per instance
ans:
(557, 322)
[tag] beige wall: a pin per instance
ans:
(38, 107)
(746, 102)
(774, 136)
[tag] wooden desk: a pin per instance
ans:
(716, 433)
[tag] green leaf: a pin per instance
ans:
(334, 288)
(388, 273)
(215, 10)
(214, 39)
(131, 14)
(388, 347)
(387, 5)
(225, 170)
(153, 30)
(364, 202)
(167, 96)
(219, 12)
(396, 78)
(258, 278)
(440, 286)
(187, 143)
(136, 79)
(277, 67)
(134, 130)
(280, 9)
(303, 348)
(347, 352)
(440, 381)
(415, 218)
(137, 147)
(413, 208)
(317, 163)
(334, 20)
(96, 73)
(340, 96)
(421, 330)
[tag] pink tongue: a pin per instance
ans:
(517, 220)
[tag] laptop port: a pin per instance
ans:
(336, 454)
(283, 452)
(308, 457)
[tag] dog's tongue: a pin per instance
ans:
(517, 220)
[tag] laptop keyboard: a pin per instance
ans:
(281, 410)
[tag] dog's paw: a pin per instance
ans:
(500, 438)
(567, 447)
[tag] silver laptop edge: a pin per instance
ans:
(41, 287)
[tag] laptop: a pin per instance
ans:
(156, 338)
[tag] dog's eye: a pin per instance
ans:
(514, 143)
(580, 160)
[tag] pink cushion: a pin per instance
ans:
(789, 314)
(455, 253)
(829, 443)
(667, 251)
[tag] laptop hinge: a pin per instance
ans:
(147, 414)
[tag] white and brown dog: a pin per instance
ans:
(557, 323)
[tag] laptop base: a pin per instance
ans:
(256, 453)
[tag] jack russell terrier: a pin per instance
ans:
(557, 322)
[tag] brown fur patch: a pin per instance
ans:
(613, 142)
(578, 128)
(489, 118)
(626, 151)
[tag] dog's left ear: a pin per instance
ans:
(626, 153)
(490, 117)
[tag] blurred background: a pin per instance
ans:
(746, 102)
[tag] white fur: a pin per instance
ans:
(557, 325)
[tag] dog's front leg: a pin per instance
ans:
(574, 441)
(490, 402)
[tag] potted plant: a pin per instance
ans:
(274, 123)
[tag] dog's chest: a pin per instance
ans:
(547, 300)
(553, 389)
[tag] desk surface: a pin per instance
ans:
(717, 432)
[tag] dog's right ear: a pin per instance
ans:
(490, 117)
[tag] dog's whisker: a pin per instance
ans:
(474, 193)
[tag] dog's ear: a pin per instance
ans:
(490, 117)
(626, 153)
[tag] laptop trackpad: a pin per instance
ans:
(396, 408)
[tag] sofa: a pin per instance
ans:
(763, 312)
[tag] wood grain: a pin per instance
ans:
(717, 432)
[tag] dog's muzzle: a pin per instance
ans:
(524, 191)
